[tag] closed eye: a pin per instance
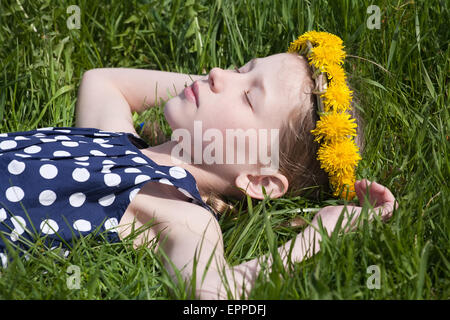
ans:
(245, 91)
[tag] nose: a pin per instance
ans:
(216, 79)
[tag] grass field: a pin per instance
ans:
(400, 73)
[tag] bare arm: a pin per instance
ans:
(307, 243)
(107, 97)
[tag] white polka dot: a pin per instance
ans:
(32, 149)
(85, 164)
(48, 171)
(16, 167)
(183, 191)
(101, 134)
(14, 235)
(141, 178)
(62, 138)
(82, 225)
(97, 153)
(21, 138)
(80, 174)
(104, 145)
(106, 168)
(111, 225)
(8, 144)
(82, 158)
(39, 135)
(46, 128)
(22, 155)
(60, 153)
(177, 172)
(132, 170)
(63, 130)
(49, 226)
(4, 260)
(149, 166)
(70, 144)
(77, 199)
(48, 140)
(3, 135)
(108, 162)
(139, 160)
(130, 152)
(14, 194)
(2, 215)
(99, 140)
(19, 224)
(112, 179)
(157, 171)
(47, 197)
(133, 193)
(107, 200)
(165, 181)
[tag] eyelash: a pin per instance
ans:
(245, 91)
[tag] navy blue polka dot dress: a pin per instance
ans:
(61, 183)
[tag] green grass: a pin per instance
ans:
(402, 83)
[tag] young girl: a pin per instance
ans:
(61, 183)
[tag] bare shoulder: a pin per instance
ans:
(161, 207)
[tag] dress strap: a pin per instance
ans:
(138, 142)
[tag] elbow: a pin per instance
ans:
(92, 76)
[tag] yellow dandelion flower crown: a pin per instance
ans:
(335, 131)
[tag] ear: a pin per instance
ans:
(276, 185)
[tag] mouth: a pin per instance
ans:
(191, 93)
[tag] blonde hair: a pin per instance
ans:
(298, 161)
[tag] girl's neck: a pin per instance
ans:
(208, 177)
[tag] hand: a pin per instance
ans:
(380, 198)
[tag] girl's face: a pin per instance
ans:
(259, 95)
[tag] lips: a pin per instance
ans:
(191, 93)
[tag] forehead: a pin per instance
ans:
(283, 76)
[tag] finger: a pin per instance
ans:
(380, 194)
(361, 190)
(385, 211)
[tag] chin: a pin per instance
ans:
(172, 113)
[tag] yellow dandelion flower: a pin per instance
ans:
(344, 186)
(326, 38)
(310, 36)
(295, 46)
(333, 126)
(335, 73)
(337, 96)
(316, 38)
(320, 38)
(339, 157)
(322, 56)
